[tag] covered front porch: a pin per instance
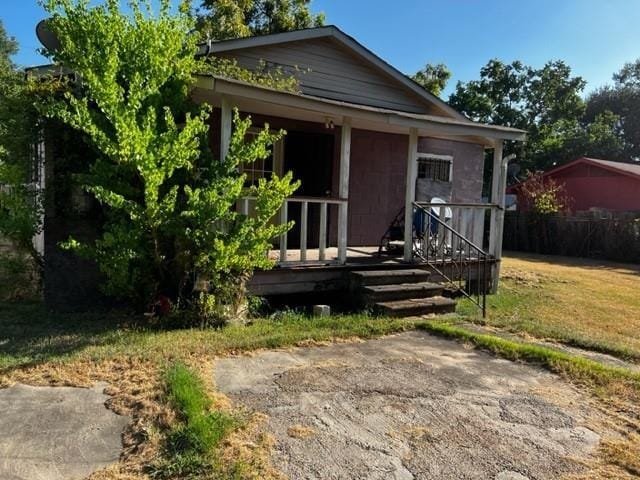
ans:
(359, 167)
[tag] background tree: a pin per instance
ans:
(621, 99)
(171, 228)
(433, 78)
(225, 19)
(545, 102)
(8, 48)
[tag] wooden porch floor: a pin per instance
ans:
(355, 256)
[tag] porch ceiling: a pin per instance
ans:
(266, 101)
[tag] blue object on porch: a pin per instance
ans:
(419, 222)
(433, 227)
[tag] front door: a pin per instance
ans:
(310, 157)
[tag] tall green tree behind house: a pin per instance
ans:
(547, 104)
(171, 228)
(433, 78)
(622, 99)
(227, 19)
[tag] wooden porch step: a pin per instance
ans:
(417, 306)
(402, 291)
(390, 277)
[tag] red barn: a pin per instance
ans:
(593, 183)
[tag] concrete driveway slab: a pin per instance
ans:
(56, 433)
(411, 406)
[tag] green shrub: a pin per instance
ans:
(171, 228)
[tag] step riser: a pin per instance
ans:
(394, 280)
(399, 293)
(417, 310)
(372, 297)
(389, 277)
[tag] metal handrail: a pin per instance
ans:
(439, 257)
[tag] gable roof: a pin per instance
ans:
(628, 169)
(346, 41)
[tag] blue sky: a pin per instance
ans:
(595, 37)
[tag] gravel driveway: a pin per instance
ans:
(411, 406)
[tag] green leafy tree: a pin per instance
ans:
(498, 97)
(171, 227)
(545, 102)
(433, 78)
(623, 100)
(20, 199)
(226, 19)
(566, 140)
(8, 48)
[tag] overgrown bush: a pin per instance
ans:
(171, 229)
(20, 195)
(544, 196)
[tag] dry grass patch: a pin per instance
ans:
(580, 302)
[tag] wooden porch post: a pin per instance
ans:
(226, 123)
(343, 188)
(498, 190)
(410, 193)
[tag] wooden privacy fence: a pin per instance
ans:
(612, 236)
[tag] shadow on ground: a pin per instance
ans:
(29, 334)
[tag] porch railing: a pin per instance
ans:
(302, 219)
(449, 237)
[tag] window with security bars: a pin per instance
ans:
(433, 168)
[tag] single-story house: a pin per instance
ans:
(366, 142)
(591, 183)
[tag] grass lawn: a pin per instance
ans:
(591, 304)
(30, 336)
(587, 303)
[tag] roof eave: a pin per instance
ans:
(396, 118)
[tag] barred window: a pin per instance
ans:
(435, 167)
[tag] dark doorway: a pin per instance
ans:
(310, 157)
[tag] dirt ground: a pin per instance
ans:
(412, 406)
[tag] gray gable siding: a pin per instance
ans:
(331, 71)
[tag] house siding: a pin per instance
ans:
(328, 70)
(378, 175)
